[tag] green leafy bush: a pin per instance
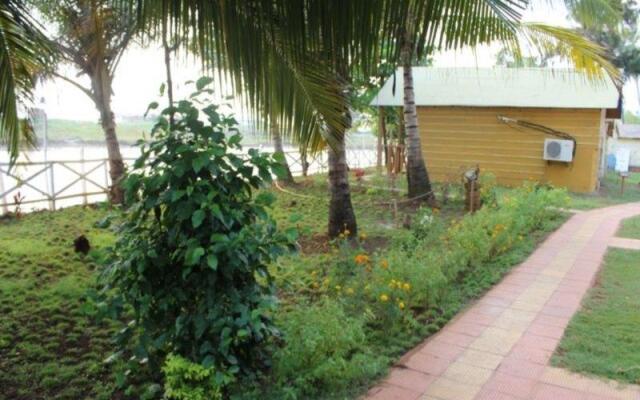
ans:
(185, 380)
(191, 260)
(414, 275)
(325, 348)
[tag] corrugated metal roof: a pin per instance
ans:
(501, 87)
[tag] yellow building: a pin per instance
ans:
(517, 123)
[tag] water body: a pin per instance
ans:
(35, 175)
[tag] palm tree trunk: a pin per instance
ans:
(279, 149)
(381, 134)
(418, 181)
(342, 219)
(101, 85)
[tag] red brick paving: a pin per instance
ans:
(542, 294)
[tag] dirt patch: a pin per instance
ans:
(320, 243)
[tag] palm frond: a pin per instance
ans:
(595, 13)
(572, 46)
(23, 54)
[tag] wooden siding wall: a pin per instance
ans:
(457, 138)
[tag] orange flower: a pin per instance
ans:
(384, 264)
(361, 259)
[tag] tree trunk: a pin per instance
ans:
(101, 87)
(381, 134)
(342, 219)
(304, 162)
(167, 66)
(417, 177)
(279, 149)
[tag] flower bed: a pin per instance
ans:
(346, 316)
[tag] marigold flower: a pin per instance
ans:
(384, 298)
(363, 236)
(350, 291)
(401, 305)
(361, 259)
(384, 264)
(406, 286)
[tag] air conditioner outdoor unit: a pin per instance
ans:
(558, 150)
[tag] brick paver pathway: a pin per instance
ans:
(500, 347)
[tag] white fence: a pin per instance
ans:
(62, 183)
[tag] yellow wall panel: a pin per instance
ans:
(458, 138)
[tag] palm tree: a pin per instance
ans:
(278, 148)
(24, 53)
(92, 35)
(314, 46)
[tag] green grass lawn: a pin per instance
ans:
(48, 347)
(630, 228)
(609, 193)
(602, 338)
(91, 131)
(52, 348)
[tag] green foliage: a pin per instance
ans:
(49, 347)
(610, 192)
(602, 338)
(325, 351)
(185, 380)
(405, 292)
(192, 255)
(24, 54)
(630, 228)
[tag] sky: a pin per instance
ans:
(141, 73)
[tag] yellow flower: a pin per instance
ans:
(338, 288)
(384, 298)
(363, 236)
(401, 305)
(350, 291)
(384, 264)
(406, 286)
(347, 232)
(361, 259)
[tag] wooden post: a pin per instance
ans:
(52, 200)
(85, 200)
(623, 176)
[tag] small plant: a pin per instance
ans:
(185, 380)
(191, 260)
(18, 198)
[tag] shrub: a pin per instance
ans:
(185, 380)
(324, 348)
(192, 255)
